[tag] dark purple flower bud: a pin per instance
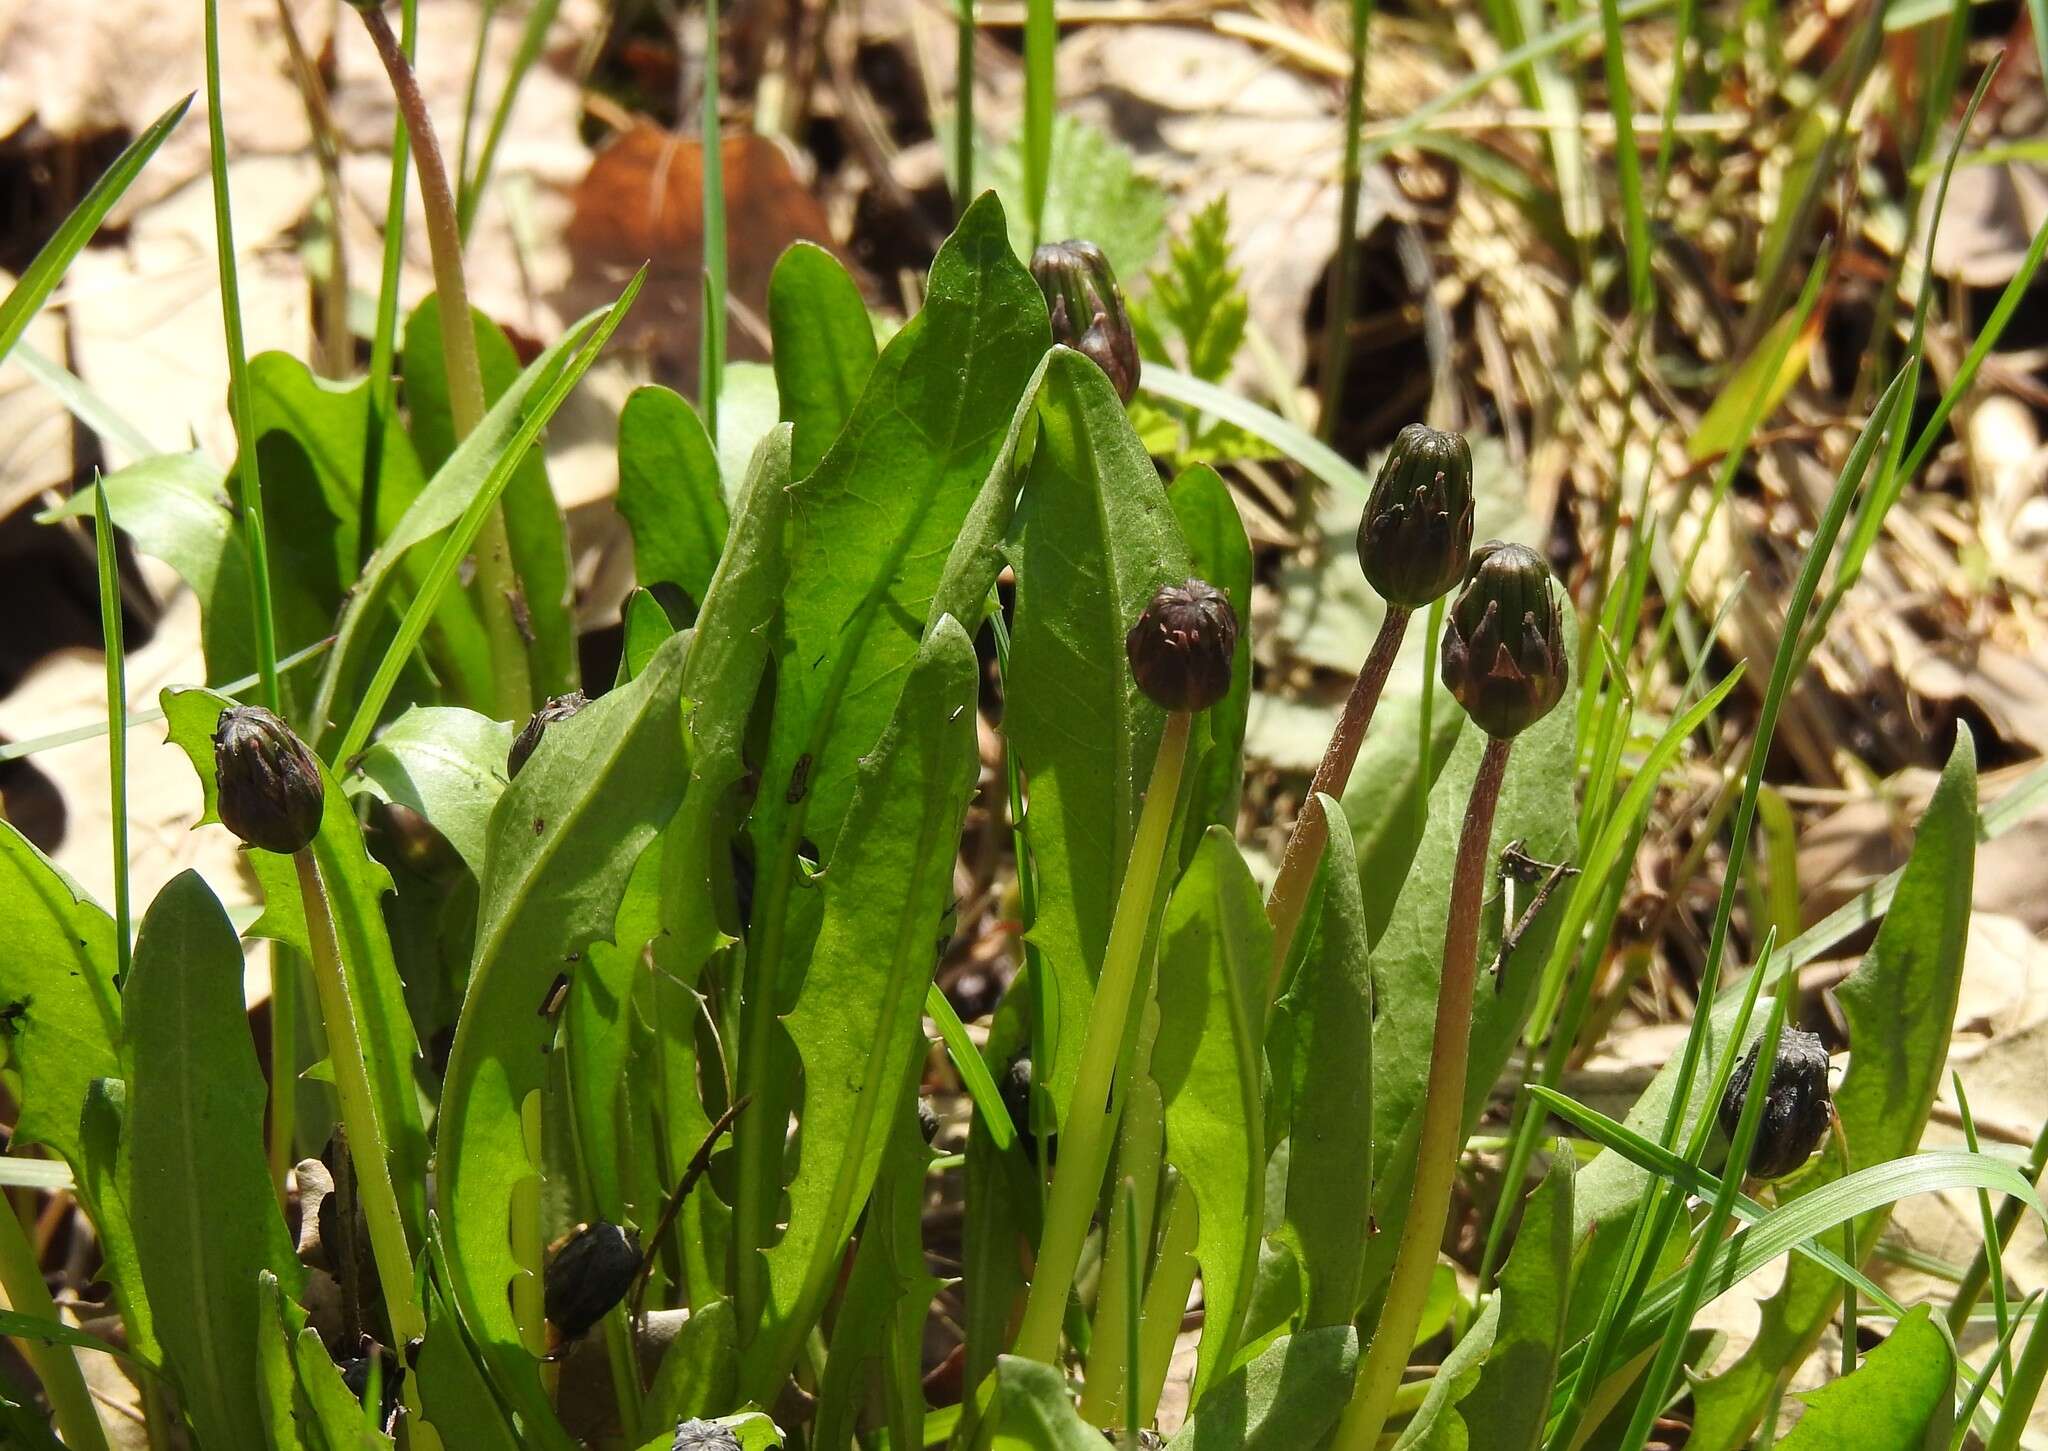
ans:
(1415, 536)
(1087, 308)
(1797, 1109)
(1180, 650)
(589, 1274)
(1504, 656)
(558, 708)
(270, 792)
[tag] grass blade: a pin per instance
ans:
(963, 109)
(974, 1074)
(457, 544)
(35, 285)
(1635, 224)
(1994, 1244)
(250, 482)
(1041, 34)
(531, 38)
(384, 337)
(711, 337)
(117, 741)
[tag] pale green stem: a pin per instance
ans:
(366, 1141)
(56, 1366)
(497, 582)
(1443, 1123)
(1091, 1121)
(1289, 897)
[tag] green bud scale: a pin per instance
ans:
(1415, 536)
(270, 791)
(1182, 646)
(1087, 309)
(1797, 1108)
(1503, 649)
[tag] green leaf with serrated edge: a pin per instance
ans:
(195, 1152)
(1536, 809)
(455, 1395)
(61, 1034)
(314, 441)
(433, 508)
(864, 558)
(274, 1376)
(824, 348)
(564, 839)
(1220, 552)
(1508, 1408)
(446, 763)
(106, 1190)
(1901, 1398)
(1326, 1023)
(62, 1021)
(858, 1023)
(1287, 1397)
(721, 678)
(596, 1039)
(1092, 190)
(356, 886)
(1030, 1409)
(670, 492)
(1093, 539)
(699, 1370)
(338, 1415)
(533, 521)
(878, 1329)
(1900, 1005)
(175, 508)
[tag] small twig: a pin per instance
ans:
(1518, 865)
(692, 1172)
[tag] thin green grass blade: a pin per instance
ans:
(2001, 1356)
(1041, 34)
(242, 404)
(16, 750)
(532, 37)
(49, 1351)
(1994, 1246)
(472, 92)
(1635, 221)
(963, 108)
(1297, 443)
(35, 285)
(384, 336)
(980, 1083)
(83, 403)
(1657, 1383)
(711, 334)
(117, 741)
(463, 534)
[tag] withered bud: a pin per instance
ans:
(1503, 649)
(1415, 536)
(355, 1374)
(558, 708)
(589, 1274)
(704, 1436)
(1014, 1088)
(1087, 309)
(270, 791)
(1181, 647)
(927, 1120)
(1797, 1109)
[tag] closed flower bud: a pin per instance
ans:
(704, 1436)
(1415, 536)
(589, 1274)
(1503, 650)
(1087, 308)
(271, 795)
(559, 708)
(1181, 648)
(1797, 1110)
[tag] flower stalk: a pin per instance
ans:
(1180, 652)
(500, 596)
(1443, 1117)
